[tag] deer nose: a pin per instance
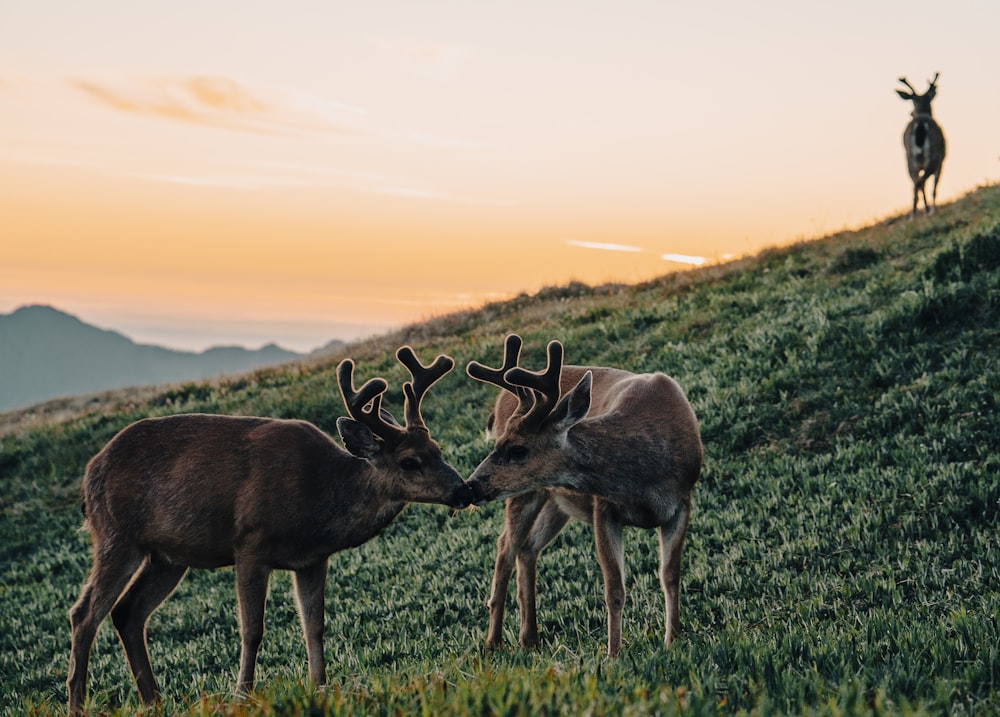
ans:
(462, 497)
(477, 490)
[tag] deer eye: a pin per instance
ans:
(517, 453)
(410, 464)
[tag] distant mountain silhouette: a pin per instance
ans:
(45, 353)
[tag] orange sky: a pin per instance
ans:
(194, 174)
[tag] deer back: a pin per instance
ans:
(925, 146)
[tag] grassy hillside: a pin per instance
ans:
(843, 555)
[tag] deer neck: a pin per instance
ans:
(359, 509)
(592, 462)
(373, 497)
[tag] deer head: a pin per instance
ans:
(530, 448)
(409, 452)
(921, 103)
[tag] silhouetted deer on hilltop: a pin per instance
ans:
(924, 143)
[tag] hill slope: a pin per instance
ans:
(45, 353)
(842, 557)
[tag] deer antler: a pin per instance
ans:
(934, 81)
(495, 376)
(365, 405)
(907, 83)
(423, 378)
(543, 384)
(481, 372)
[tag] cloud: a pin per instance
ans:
(225, 103)
(684, 259)
(406, 192)
(249, 182)
(604, 247)
(219, 102)
(415, 192)
(256, 175)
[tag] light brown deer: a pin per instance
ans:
(924, 144)
(206, 491)
(599, 444)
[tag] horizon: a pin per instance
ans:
(250, 346)
(232, 175)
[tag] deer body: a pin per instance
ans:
(257, 508)
(924, 143)
(207, 491)
(602, 445)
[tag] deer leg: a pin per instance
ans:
(671, 548)
(518, 516)
(610, 555)
(937, 178)
(152, 585)
(251, 593)
(109, 575)
(546, 526)
(310, 587)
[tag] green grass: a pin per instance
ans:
(843, 557)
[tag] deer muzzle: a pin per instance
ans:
(462, 496)
(480, 490)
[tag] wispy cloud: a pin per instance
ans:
(603, 246)
(417, 192)
(684, 259)
(255, 175)
(220, 102)
(375, 183)
(231, 181)
(410, 192)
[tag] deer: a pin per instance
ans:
(207, 491)
(602, 445)
(924, 144)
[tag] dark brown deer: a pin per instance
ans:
(924, 144)
(599, 444)
(263, 494)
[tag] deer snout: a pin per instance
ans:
(457, 493)
(462, 497)
(479, 490)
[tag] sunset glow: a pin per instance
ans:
(195, 174)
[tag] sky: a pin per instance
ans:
(240, 172)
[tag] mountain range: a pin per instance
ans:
(46, 353)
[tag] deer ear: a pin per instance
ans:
(388, 418)
(358, 438)
(574, 406)
(904, 95)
